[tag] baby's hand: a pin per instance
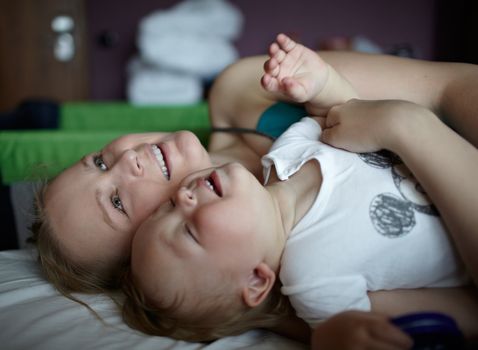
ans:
(367, 126)
(359, 330)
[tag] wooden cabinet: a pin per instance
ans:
(29, 38)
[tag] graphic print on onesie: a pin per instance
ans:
(391, 215)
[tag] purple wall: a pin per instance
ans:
(387, 23)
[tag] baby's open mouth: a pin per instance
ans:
(214, 184)
(162, 162)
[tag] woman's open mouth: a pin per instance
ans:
(161, 160)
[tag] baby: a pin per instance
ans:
(331, 225)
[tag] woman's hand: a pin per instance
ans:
(359, 330)
(368, 126)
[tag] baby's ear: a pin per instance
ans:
(259, 284)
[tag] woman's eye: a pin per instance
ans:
(117, 203)
(99, 163)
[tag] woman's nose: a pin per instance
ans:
(129, 163)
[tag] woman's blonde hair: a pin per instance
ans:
(142, 315)
(66, 275)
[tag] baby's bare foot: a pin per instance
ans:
(294, 70)
(299, 74)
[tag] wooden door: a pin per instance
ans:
(29, 67)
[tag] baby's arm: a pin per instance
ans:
(444, 163)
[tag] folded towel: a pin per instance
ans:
(201, 17)
(204, 56)
(150, 85)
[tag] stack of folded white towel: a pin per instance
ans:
(182, 48)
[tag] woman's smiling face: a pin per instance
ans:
(95, 206)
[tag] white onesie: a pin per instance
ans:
(370, 228)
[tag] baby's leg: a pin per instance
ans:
(299, 74)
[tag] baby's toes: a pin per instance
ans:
(269, 83)
(285, 43)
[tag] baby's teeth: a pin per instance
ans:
(208, 183)
(159, 156)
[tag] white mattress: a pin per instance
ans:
(33, 315)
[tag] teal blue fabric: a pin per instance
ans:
(278, 117)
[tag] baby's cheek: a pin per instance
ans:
(212, 221)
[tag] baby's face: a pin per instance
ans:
(96, 205)
(211, 228)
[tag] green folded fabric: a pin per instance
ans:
(123, 116)
(33, 155)
(87, 127)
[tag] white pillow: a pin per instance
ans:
(33, 315)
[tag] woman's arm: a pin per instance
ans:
(359, 330)
(237, 100)
(374, 330)
(459, 303)
(448, 89)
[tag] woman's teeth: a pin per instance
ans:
(159, 156)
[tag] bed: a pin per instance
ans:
(33, 315)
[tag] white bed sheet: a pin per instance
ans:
(33, 315)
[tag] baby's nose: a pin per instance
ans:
(185, 198)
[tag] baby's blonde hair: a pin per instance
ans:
(66, 275)
(141, 314)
